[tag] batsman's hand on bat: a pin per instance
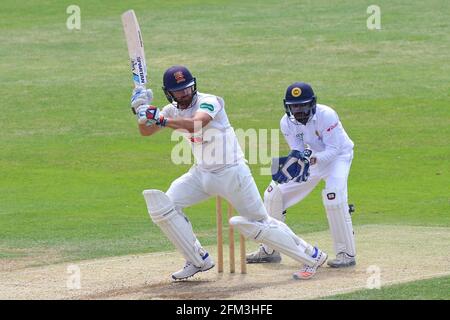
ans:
(140, 96)
(150, 115)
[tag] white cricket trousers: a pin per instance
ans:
(235, 184)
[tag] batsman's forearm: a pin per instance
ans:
(148, 131)
(190, 125)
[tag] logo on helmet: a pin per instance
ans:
(296, 92)
(179, 77)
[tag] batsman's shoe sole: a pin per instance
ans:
(191, 274)
(275, 259)
(339, 264)
(303, 275)
(261, 256)
(308, 272)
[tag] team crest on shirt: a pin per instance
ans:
(296, 92)
(179, 76)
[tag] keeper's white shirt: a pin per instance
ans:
(215, 146)
(324, 134)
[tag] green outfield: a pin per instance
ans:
(430, 289)
(73, 165)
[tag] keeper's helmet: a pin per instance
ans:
(179, 86)
(300, 102)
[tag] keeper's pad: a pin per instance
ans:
(175, 226)
(275, 234)
(339, 220)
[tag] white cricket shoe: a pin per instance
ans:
(189, 269)
(307, 272)
(342, 260)
(261, 256)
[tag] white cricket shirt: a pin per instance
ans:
(324, 134)
(215, 146)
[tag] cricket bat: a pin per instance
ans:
(135, 46)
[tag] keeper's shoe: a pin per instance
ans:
(189, 269)
(307, 272)
(261, 256)
(342, 260)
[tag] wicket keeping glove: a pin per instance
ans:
(140, 96)
(293, 167)
(150, 115)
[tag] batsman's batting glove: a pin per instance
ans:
(150, 115)
(140, 96)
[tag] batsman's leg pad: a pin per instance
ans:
(175, 226)
(273, 201)
(339, 220)
(275, 234)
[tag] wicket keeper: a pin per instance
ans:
(316, 126)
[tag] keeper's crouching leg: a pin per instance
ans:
(340, 222)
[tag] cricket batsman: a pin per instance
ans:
(316, 126)
(219, 169)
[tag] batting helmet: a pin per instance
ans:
(178, 78)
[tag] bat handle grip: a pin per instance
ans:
(135, 86)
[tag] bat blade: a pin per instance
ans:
(135, 46)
